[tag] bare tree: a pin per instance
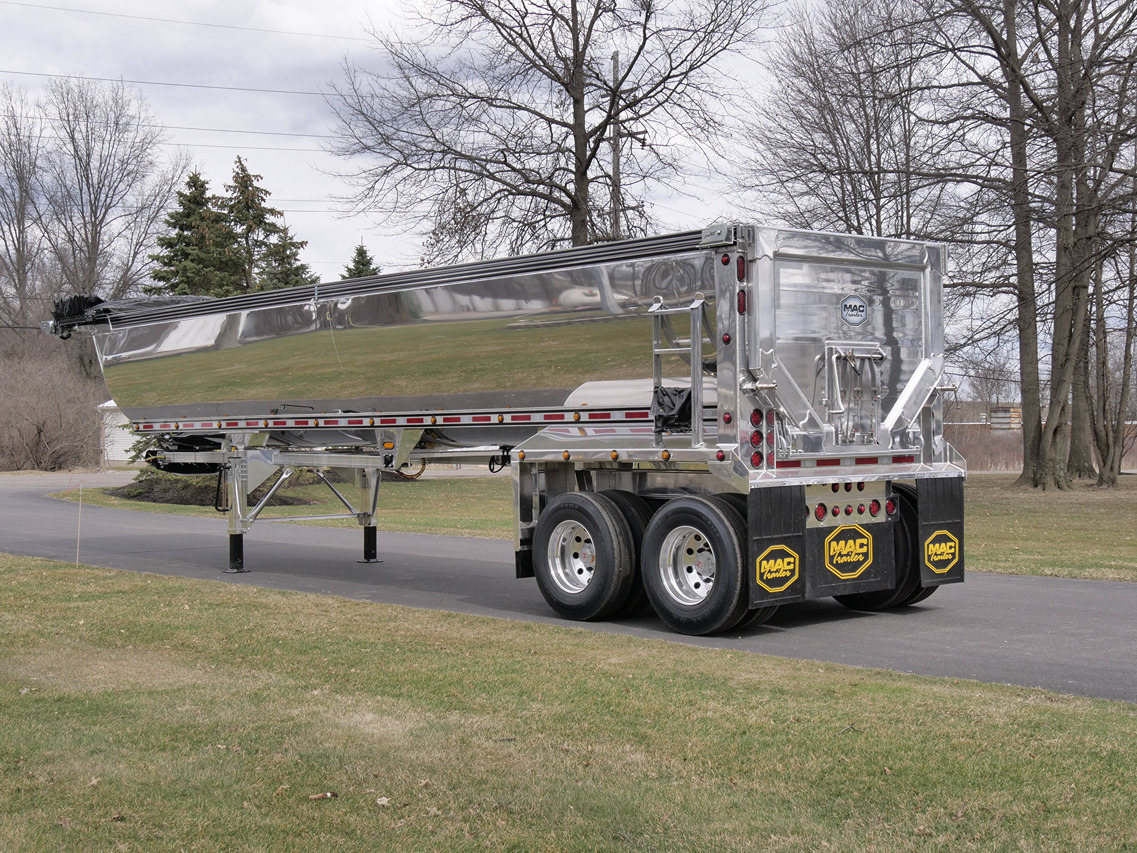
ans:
(497, 122)
(1057, 78)
(82, 192)
(21, 241)
(104, 190)
(843, 143)
(1114, 333)
(48, 419)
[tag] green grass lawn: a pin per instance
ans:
(1083, 533)
(144, 713)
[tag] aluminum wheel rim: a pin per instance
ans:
(687, 565)
(571, 557)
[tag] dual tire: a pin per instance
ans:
(583, 556)
(598, 555)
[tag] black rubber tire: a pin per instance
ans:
(593, 581)
(919, 595)
(907, 560)
(637, 512)
(687, 599)
(755, 616)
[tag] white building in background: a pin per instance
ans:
(115, 437)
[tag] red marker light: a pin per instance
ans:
(821, 512)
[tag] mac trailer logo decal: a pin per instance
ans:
(854, 310)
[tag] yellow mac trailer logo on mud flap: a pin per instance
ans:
(777, 568)
(941, 552)
(848, 551)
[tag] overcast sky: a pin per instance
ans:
(294, 46)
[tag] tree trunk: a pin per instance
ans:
(1081, 464)
(1026, 317)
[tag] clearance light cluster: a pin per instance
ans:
(822, 511)
(762, 437)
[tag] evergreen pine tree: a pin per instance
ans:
(199, 253)
(279, 264)
(252, 220)
(361, 264)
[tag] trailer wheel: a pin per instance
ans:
(693, 559)
(637, 512)
(582, 556)
(907, 589)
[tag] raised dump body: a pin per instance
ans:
(716, 421)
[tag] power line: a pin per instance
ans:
(157, 126)
(182, 23)
(256, 132)
(242, 147)
(160, 82)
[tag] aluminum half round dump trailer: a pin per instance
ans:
(715, 422)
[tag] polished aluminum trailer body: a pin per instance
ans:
(783, 380)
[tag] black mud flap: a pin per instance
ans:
(776, 517)
(791, 560)
(940, 503)
(523, 563)
(851, 557)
